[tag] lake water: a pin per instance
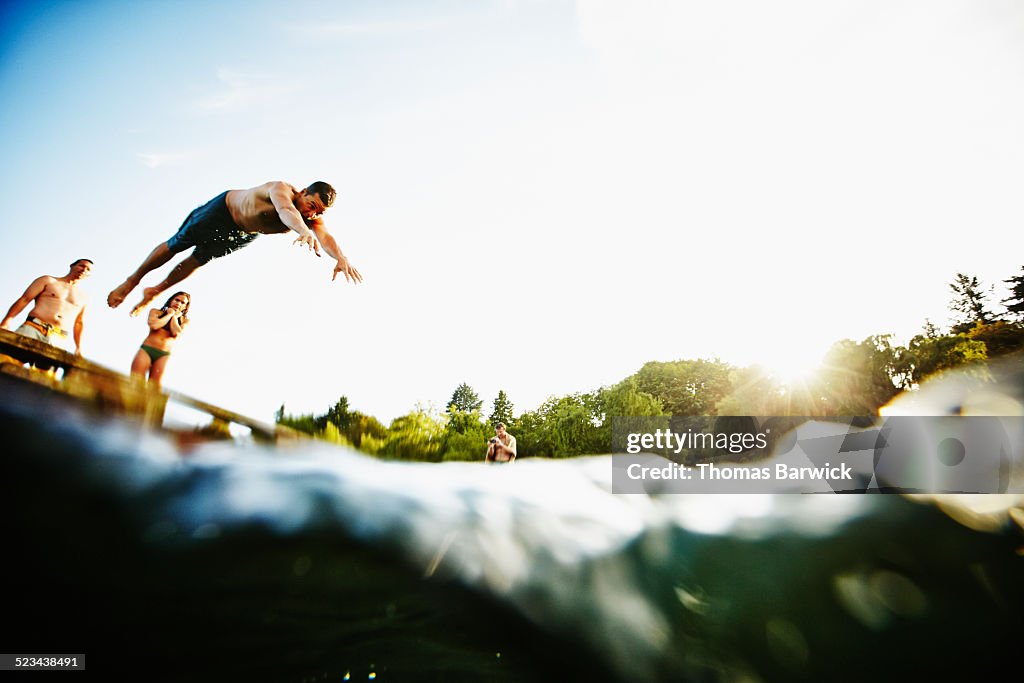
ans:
(315, 563)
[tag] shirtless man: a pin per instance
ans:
(58, 302)
(232, 220)
(502, 448)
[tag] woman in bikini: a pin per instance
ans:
(165, 325)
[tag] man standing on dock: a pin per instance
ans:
(232, 220)
(57, 303)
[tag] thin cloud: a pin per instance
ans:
(158, 159)
(330, 29)
(240, 90)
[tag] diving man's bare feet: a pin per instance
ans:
(117, 297)
(148, 294)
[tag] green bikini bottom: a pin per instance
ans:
(154, 353)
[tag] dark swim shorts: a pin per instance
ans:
(211, 231)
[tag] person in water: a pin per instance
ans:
(230, 221)
(165, 326)
(502, 448)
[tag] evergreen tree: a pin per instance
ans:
(339, 414)
(969, 302)
(1015, 302)
(465, 400)
(501, 410)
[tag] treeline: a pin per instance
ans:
(856, 378)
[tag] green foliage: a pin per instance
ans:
(531, 435)
(332, 434)
(461, 422)
(926, 356)
(755, 392)
(307, 424)
(857, 378)
(414, 436)
(372, 444)
(969, 303)
(464, 399)
(625, 399)
(351, 426)
(1015, 302)
(686, 387)
(465, 435)
(363, 427)
(621, 400)
(501, 411)
(561, 427)
(1000, 337)
(471, 446)
(339, 414)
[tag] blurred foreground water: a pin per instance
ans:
(314, 563)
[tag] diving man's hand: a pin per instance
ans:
(351, 274)
(309, 239)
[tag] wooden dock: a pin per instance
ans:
(112, 392)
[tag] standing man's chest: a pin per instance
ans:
(59, 291)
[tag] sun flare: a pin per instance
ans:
(794, 367)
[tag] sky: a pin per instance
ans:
(541, 195)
